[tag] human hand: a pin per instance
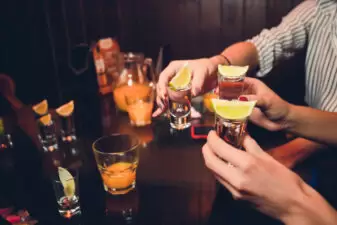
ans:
(255, 176)
(203, 79)
(271, 111)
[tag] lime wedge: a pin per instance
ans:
(66, 109)
(67, 181)
(45, 120)
(232, 71)
(41, 108)
(233, 110)
(182, 79)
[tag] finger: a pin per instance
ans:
(161, 107)
(219, 167)
(198, 80)
(235, 193)
(259, 118)
(226, 151)
(166, 76)
(251, 146)
(158, 112)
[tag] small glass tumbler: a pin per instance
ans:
(231, 131)
(230, 88)
(140, 107)
(117, 158)
(180, 108)
(47, 133)
(67, 197)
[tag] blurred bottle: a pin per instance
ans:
(106, 56)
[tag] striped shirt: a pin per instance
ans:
(311, 25)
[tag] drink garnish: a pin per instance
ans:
(232, 71)
(66, 109)
(67, 181)
(45, 120)
(182, 79)
(233, 110)
(2, 127)
(41, 108)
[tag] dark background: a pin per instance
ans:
(41, 38)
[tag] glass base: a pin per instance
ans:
(70, 212)
(181, 126)
(140, 123)
(180, 122)
(120, 191)
(69, 207)
(69, 138)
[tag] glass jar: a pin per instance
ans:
(133, 79)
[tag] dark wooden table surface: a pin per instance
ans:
(173, 185)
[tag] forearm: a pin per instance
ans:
(295, 151)
(240, 54)
(313, 124)
(310, 208)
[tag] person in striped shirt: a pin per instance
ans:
(312, 25)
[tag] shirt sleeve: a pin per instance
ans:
(283, 41)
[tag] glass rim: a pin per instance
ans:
(232, 79)
(132, 148)
(241, 120)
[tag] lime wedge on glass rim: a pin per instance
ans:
(67, 181)
(41, 108)
(66, 109)
(182, 79)
(233, 110)
(232, 71)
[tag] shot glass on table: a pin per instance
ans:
(67, 122)
(66, 189)
(47, 133)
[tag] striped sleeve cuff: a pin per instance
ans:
(263, 55)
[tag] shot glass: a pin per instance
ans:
(140, 107)
(180, 108)
(231, 131)
(117, 158)
(40, 109)
(230, 87)
(67, 194)
(47, 133)
(66, 115)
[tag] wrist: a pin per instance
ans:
(290, 118)
(218, 60)
(304, 209)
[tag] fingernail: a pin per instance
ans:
(243, 98)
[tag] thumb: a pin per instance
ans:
(251, 146)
